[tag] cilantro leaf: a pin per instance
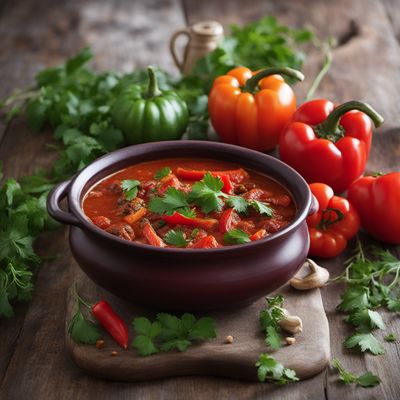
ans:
(169, 332)
(146, 332)
(130, 188)
(261, 208)
(366, 380)
(175, 238)
(364, 342)
(207, 193)
(393, 305)
(82, 330)
(268, 368)
(236, 236)
(273, 338)
(238, 203)
(354, 297)
(365, 319)
(173, 200)
(162, 173)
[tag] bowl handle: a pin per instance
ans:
(314, 205)
(59, 192)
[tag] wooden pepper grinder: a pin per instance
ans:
(203, 38)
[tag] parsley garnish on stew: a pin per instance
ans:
(162, 173)
(173, 200)
(236, 236)
(130, 188)
(175, 238)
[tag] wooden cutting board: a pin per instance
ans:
(308, 356)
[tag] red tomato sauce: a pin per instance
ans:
(197, 203)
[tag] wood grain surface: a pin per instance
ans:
(33, 362)
(308, 356)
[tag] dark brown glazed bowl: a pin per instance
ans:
(185, 279)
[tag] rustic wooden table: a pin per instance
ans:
(125, 34)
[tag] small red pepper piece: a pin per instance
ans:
(258, 235)
(179, 219)
(229, 219)
(111, 322)
(151, 236)
(208, 242)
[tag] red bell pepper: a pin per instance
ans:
(329, 144)
(151, 236)
(235, 175)
(377, 200)
(335, 222)
(258, 235)
(179, 219)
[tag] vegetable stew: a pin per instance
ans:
(189, 203)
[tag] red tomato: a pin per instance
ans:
(335, 222)
(377, 200)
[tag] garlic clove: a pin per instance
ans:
(317, 277)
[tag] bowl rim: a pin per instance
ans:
(80, 180)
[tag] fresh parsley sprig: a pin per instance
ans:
(268, 368)
(269, 320)
(366, 380)
(130, 188)
(372, 283)
(169, 332)
(236, 236)
(176, 238)
(172, 200)
(241, 205)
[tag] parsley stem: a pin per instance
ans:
(79, 298)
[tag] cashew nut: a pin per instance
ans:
(317, 277)
(290, 323)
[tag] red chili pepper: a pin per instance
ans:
(229, 219)
(108, 319)
(377, 199)
(335, 222)
(111, 322)
(179, 219)
(329, 144)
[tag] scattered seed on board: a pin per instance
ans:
(114, 353)
(229, 339)
(290, 340)
(99, 344)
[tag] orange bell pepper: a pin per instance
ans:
(250, 109)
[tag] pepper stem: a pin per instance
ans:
(152, 90)
(331, 124)
(251, 84)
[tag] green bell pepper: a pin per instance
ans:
(150, 116)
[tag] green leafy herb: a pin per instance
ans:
(236, 236)
(130, 188)
(269, 321)
(366, 380)
(173, 200)
(364, 342)
(371, 283)
(207, 193)
(83, 330)
(238, 203)
(162, 173)
(391, 338)
(169, 332)
(268, 368)
(176, 238)
(261, 208)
